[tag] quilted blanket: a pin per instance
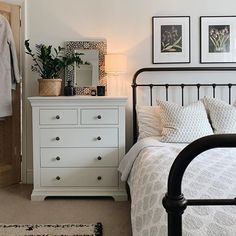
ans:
(211, 175)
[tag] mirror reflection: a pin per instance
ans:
(87, 74)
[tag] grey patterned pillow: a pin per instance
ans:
(222, 115)
(183, 124)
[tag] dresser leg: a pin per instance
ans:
(120, 198)
(37, 198)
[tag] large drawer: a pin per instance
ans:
(79, 137)
(75, 177)
(58, 117)
(99, 116)
(79, 157)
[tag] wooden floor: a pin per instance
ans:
(16, 207)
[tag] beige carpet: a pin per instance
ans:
(16, 208)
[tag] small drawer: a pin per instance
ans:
(58, 117)
(79, 137)
(79, 157)
(99, 116)
(79, 177)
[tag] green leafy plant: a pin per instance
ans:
(49, 62)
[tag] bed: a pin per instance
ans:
(161, 155)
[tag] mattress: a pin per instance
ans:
(211, 175)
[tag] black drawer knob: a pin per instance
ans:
(99, 117)
(58, 117)
(99, 158)
(57, 138)
(58, 178)
(58, 158)
(99, 138)
(99, 178)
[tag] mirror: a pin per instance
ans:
(92, 72)
(87, 75)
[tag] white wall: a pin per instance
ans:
(125, 24)
(17, 2)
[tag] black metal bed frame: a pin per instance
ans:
(174, 201)
(135, 85)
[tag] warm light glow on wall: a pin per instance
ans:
(115, 63)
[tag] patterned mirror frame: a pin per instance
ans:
(101, 46)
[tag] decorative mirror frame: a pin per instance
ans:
(101, 46)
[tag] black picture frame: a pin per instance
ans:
(217, 37)
(171, 40)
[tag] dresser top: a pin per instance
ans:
(77, 100)
(78, 97)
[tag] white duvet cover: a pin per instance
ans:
(211, 175)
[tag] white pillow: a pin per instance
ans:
(149, 123)
(221, 114)
(183, 124)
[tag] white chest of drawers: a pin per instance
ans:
(78, 143)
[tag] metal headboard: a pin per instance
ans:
(135, 85)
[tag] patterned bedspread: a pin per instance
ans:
(211, 175)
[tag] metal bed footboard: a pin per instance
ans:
(174, 201)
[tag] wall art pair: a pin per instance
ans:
(171, 39)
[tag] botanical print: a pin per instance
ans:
(171, 38)
(219, 38)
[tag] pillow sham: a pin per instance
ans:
(149, 123)
(183, 124)
(221, 114)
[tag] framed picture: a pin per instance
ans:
(170, 39)
(218, 39)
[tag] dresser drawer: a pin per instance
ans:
(79, 157)
(99, 116)
(80, 137)
(58, 117)
(79, 177)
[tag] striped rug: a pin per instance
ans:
(51, 230)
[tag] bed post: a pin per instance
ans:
(134, 88)
(175, 208)
(174, 201)
(134, 113)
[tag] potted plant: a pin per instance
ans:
(49, 62)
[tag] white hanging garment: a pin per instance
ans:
(9, 71)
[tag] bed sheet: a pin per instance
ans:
(211, 175)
